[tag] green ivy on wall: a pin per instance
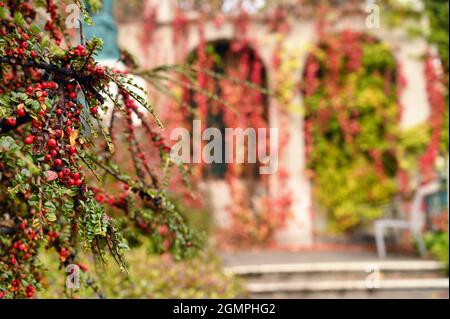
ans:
(352, 129)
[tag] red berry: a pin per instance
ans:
(47, 157)
(30, 291)
(163, 229)
(76, 176)
(21, 112)
(58, 162)
(29, 139)
(33, 54)
(94, 110)
(72, 150)
(100, 71)
(73, 95)
(52, 143)
(11, 121)
(64, 252)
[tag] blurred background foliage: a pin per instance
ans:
(153, 276)
(354, 128)
(150, 276)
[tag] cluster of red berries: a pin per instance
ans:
(21, 250)
(20, 49)
(29, 232)
(30, 290)
(53, 235)
(119, 200)
(16, 286)
(95, 70)
(70, 179)
(65, 175)
(79, 51)
(41, 90)
(55, 144)
(50, 27)
(72, 90)
(52, 9)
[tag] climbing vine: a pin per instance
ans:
(351, 126)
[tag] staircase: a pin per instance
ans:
(418, 279)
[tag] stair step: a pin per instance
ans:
(428, 265)
(400, 284)
(355, 279)
(339, 271)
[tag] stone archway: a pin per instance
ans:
(233, 72)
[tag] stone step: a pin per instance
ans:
(386, 293)
(371, 279)
(339, 270)
(406, 265)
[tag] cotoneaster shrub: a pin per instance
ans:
(58, 148)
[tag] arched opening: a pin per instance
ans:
(351, 127)
(228, 73)
(231, 79)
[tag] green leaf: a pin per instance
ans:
(51, 217)
(18, 19)
(8, 144)
(35, 29)
(50, 206)
(4, 13)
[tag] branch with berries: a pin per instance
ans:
(54, 97)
